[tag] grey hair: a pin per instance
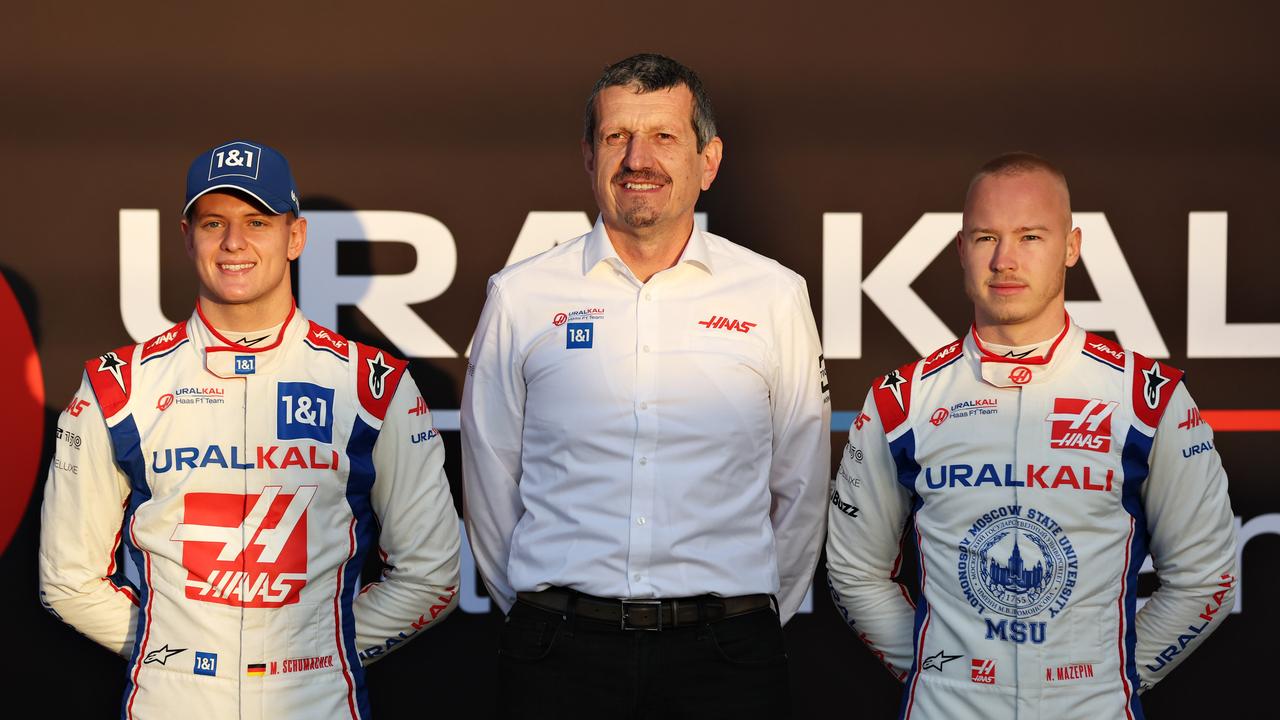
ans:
(648, 72)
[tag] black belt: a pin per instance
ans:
(646, 614)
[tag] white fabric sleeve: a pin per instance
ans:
(868, 511)
(419, 538)
(801, 464)
(80, 525)
(1193, 542)
(492, 438)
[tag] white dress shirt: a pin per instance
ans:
(646, 440)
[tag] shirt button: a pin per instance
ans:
(646, 348)
(644, 406)
(644, 461)
(637, 577)
(641, 521)
(648, 296)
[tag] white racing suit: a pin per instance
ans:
(1037, 487)
(209, 508)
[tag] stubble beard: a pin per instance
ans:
(640, 215)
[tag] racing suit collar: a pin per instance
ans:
(228, 359)
(1002, 371)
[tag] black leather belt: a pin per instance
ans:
(646, 614)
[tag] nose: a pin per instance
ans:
(233, 239)
(1004, 258)
(639, 153)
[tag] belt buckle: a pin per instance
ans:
(624, 624)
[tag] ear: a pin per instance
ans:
(297, 238)
(960, 246)
(588, 157)
(188, 238)
(1073, 247)
(712, 154)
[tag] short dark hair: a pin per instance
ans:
(1017, 163)
(648, 72)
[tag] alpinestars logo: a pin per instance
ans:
(378, 369)
(893, 383)
(1080, 424)
(1152, 382)
(245, 550)
(112, 363)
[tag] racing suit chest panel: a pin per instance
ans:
(248, 476)
(1022, 528)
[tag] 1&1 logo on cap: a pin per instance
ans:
(235, 159)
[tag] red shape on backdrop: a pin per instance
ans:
(22, 422)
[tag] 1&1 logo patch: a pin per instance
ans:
(206, 664)
(304, 410)
(579, 335)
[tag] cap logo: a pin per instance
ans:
(237, 159)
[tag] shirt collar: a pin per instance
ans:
(599, 248)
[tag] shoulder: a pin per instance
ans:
(323, 340)
(378, 375)
(738, 259)
(565, 256)
(111, 373)
(893, 390)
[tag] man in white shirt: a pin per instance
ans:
(645, 437)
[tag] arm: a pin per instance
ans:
(492, 437)
(868, 512)
(801, 463)
(419, 539)
(80, 526)
(1193, 543)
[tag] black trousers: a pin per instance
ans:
(554, 666)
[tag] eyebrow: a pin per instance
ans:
(991, 231)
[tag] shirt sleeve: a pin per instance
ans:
(492, 437)
(1193, 542)
(419, 539)
(801, 463)
(868, 512)
(80, 530)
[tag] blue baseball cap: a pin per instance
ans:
(251, 168)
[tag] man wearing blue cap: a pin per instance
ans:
(216, 488)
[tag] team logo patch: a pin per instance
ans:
(939, 416)
(720, 322)
(579, 335)
(245, 550)
(1020, 375)
(304, 410)
(591, 313)
(1152, 382)
(983, 672)
(1080, 424)
(1017, 562)
(1193, 419)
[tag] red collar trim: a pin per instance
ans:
(988, 356)
(229, 345)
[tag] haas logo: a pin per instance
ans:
(245, 550)
(1080, 424)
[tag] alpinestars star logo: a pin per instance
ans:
(378, 369)
(162, 655)
(893, 383)
(1152, 382)
(936, 661)
(112, 363)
